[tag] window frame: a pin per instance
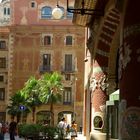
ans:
(43, 40)
(47, 66)
(67, 95)
(3, 44)
(2, 79)
(68, 64)
(2, 91)
(69, 40)
(47, 12)
(3, 64)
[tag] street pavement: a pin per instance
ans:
(7, 137)
(80, 137)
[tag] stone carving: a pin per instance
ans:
(130, 30)
(130, 128)
(24, 19)
(124, 58)
(101, 83)
(93, 84)
(138, 52)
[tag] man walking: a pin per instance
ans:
(12, 129)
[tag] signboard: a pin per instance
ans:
(22, 107)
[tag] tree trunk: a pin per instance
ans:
(52, 114)
(33, 114)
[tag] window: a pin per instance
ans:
(2, 62)
(47, 40)
(69, 40)
(6, 11)
(2, 93)
(68, 62)
(67, 95)
(1, 78)
(2, 44)
(2, 116)
(67, 77)
(46, 12)
(47, 62)
(32, 4)
(69, 14)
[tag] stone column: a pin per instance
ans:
(130, 73)
(99, 97)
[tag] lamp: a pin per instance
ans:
(57, 12)
(83, 10)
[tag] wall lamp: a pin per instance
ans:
(85, 11)
(57, 12)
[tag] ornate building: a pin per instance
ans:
(39, 43)
(112, 62)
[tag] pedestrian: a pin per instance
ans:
(12, 129)
(62, 126)
(1, 133)
(73, 130)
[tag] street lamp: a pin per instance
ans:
(57, 12)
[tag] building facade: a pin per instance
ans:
(39, 43)
(112, 63)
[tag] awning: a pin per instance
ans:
(114, 96)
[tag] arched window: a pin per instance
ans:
(43, 116)
(46, 12)
(69, 14)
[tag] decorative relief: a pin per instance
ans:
(131, 30)
(24, 19)
(25, 64)
(98, 121)
(138, 52)
(130, 128)
(101, 83)
(124, 58)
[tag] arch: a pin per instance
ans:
(106, 37)
(42, 116)
(64, 114)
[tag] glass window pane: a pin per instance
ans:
(46, 12)
(68, 40)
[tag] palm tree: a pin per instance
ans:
(51, 90)
(31, 95)
(13, 108)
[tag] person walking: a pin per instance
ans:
(1, 133)
(62, 126)
(73, 130)
(12, 129)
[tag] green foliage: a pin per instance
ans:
(15, 101)
(33, 130)
(51, 87)
(47, 89)
(26, 130)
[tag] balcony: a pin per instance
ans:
(69, 69)
(43, 69)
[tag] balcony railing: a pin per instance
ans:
(44, 69)
(70, 69)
